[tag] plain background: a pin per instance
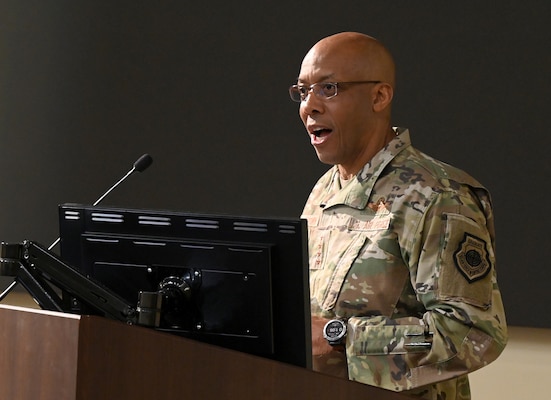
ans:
(86, 87)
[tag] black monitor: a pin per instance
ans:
(233, 281)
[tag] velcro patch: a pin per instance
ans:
(471, 258)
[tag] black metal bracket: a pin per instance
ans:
(39, 271)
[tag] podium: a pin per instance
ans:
(51, 355)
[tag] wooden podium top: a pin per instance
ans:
(50, 355)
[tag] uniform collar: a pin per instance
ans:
(357, 193)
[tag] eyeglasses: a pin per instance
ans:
(324, 90)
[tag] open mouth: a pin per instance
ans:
(321, 132)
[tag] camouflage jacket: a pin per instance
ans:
(405, 254)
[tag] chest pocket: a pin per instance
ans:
(341, 249)
(351, 274)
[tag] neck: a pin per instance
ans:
(344, 175)
(349, 171)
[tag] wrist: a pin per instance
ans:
(334, 332)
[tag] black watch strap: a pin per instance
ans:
(334, 332)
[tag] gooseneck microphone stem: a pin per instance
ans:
(140, 165)
(114, 186)
(54, 243)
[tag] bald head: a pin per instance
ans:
(365, 58)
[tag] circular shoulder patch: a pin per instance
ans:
(471, 258)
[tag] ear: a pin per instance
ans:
(382, 96)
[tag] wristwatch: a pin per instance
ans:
(335, 332)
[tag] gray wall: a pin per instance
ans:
(86, 87)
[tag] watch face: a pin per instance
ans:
(334, 330)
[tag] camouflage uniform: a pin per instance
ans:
(405, 254)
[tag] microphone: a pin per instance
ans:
(140, 165)
(143, 163)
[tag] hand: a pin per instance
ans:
(320, 345)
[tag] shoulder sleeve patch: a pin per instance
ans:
(471, 258)
(466, 262)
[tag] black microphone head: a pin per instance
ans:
(143, 163)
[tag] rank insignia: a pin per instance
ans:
(471, 258)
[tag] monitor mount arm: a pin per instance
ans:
(37, 269)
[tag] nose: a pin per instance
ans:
(312, 104)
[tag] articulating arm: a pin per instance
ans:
(36, 269)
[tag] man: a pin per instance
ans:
(401, 246)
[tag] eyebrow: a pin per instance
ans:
(323, 78)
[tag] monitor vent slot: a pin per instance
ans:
(287, 229)
(101, 240)
(150, 220)
(107, 217)
(202, 224)
(72, 215)
(244, 250)
(148, 243)
(201, 247)
(250, 226)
